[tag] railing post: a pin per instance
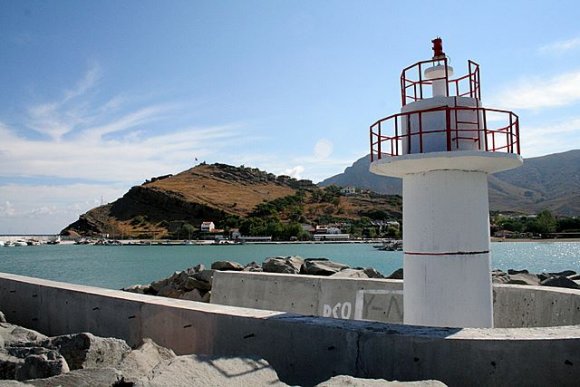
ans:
(485, 129)
(518, 134)
(511, 138)
(371, 138)
(446, 76)
(408, 134)
(380, 141)
(420, 132)
(448, 129)
(396, 136)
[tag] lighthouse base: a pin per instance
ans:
(446, 241)
(448, 290)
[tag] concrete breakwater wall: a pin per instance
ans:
(303, 349)
(515, 306)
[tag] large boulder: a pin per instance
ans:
(89, 377)
(284, 265)
(16, 336)
(564, 273)
(512, 271)
(350, 273)
(524, 279)
(499, 277)
(40, 366)
(139, 289)
(321, 266)
(397, 274)
(141, 362)
(194, 295)
(195, 283)
(85, 350)
(204, 276)
(344, 380)
(213, 371)
(560, 282)
(227, 266)
(253, 267)
(9, 365)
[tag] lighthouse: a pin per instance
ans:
(443, 144)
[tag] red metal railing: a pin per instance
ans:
(413, 84)
(409, 135)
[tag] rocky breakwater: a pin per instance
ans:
(29, 358)
(195, 283)
(564, 279)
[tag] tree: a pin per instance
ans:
(545, 223)
(188, 230)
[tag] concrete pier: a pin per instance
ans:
(307, 349)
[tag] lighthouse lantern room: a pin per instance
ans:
(443, 144)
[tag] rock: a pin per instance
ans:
(321, 266)
(344, 380)
(90, 377)
(213, 371)
(373, 273)
(196, 269)
(169, 291)
(574, 277)
(178, 281)
(397, 274)
(194, 295)
(350, 273)
(512, 271)
(2, 318)
(9, 366)
(524, 279)
(140, 289)
(42, 366)
(194, 283)
(15, 336)
(283, 265)
(499, 277)
(85, 350)
(227, 266)
(140, 362)
(253, 267)
(157, 285)
(565, 273)
(560, 282)
(205, 276)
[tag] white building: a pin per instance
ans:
(207, 227)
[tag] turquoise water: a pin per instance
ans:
(119, 266)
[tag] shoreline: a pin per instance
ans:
(169, 242)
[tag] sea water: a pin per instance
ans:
(120, 266)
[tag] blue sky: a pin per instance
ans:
(98, 96)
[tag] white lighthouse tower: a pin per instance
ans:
(443, 146)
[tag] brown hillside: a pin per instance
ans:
(163, 206)
(234, 190)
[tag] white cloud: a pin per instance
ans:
(295, 172)
(538, 93)
(550, 138)
(48, 209)
(323, 149)
(7, 209)
(560, 46)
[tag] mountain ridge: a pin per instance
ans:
(547, 182)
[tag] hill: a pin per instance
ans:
(166, 206)
(549, 182)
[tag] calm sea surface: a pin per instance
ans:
(119, 266)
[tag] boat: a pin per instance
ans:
(391, 245)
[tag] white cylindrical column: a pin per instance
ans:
(447, 260)
(440, 84)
